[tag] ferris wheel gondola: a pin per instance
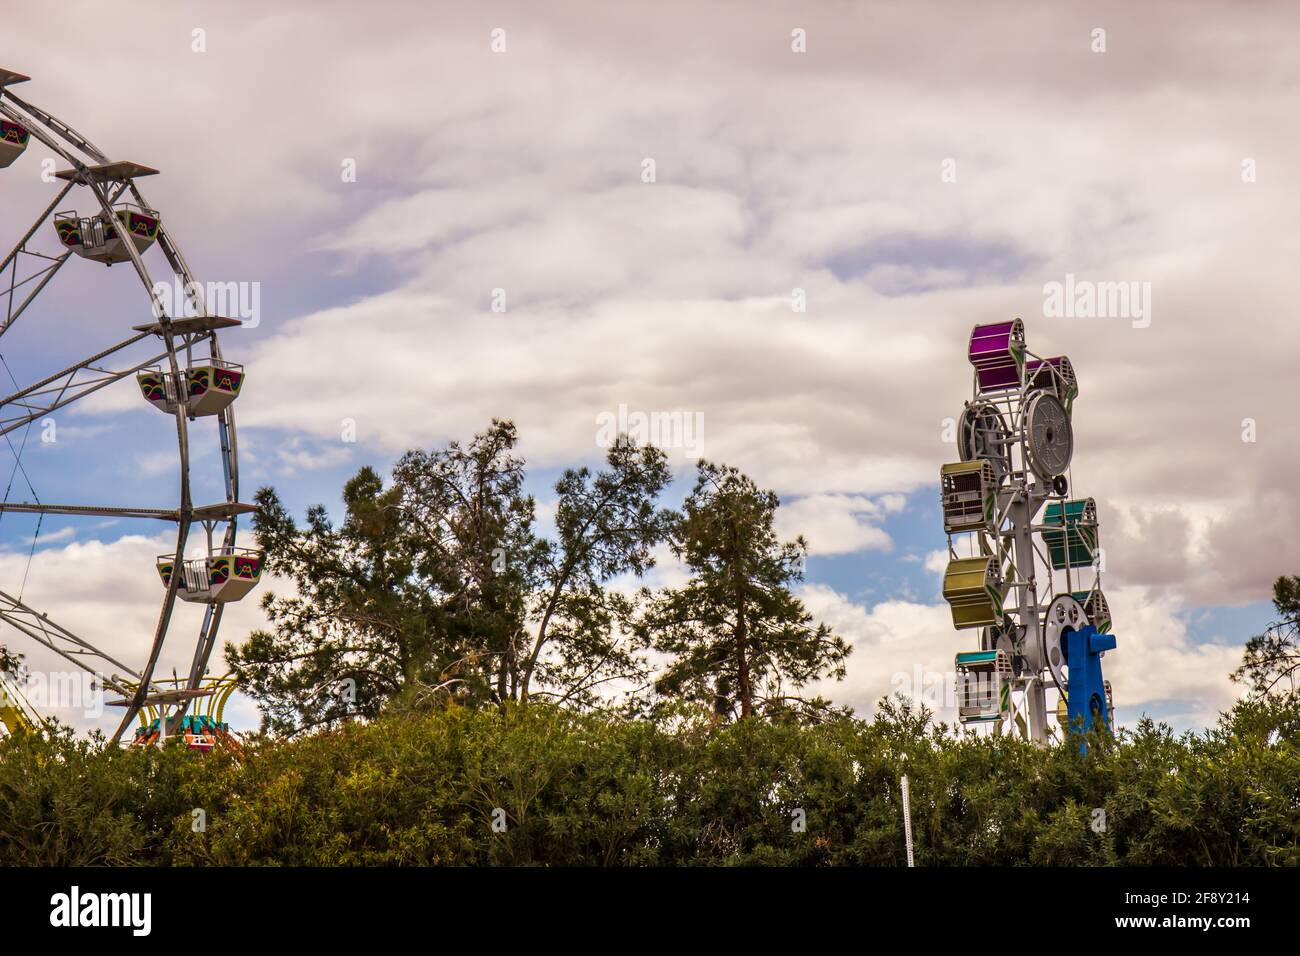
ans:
(175, 376)
(13, 142)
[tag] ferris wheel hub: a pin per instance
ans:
(1049, 436)
(1064, 614)
(982, 433)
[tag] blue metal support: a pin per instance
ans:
(1086, 694)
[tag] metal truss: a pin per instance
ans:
(24, 274)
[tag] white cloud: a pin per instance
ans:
(1157, 662)
(676, 295)
(297, 454)
(776, 171)
(836, 524)
(50, 537)
(936, 562)
(157, 463)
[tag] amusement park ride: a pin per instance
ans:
(121, 227)
(1036, 630)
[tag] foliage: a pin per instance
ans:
(74, 801)
(437, 585)
(1271, 662)
(567, 787)
(741, 641)
(607, 525)
(450, 661)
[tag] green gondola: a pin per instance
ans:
(1071, 533)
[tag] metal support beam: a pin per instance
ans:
(38, 626)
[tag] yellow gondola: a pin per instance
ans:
(974, 591)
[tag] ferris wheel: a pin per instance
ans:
(1030, 585)
(175, 361)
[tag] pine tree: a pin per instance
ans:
(740, 641)
(1271, 662)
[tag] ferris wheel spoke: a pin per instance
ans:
(41, 276)
(38, 626)
(207, 514)
(138, 699)
(202, 653)
(42, 271)
(66, 132)
(68, 385)
(17, 280)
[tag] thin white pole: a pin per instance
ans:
(907, 820)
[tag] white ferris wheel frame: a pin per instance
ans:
(110, 182)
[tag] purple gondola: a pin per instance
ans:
(997, 351)
(1060, 377)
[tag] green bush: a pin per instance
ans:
(539, 785)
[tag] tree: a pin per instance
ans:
(362, 625)
(1271, 662)
(608, 525)
(740, 640)
(472, 526)
(438, 585)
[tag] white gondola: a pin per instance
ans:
(983, 686)
(206, 388)
(13, 142)
(225, 575)
(968, 495)
(102, 239)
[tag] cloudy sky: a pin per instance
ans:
(906, 170)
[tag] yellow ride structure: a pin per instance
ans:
(16, 712)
